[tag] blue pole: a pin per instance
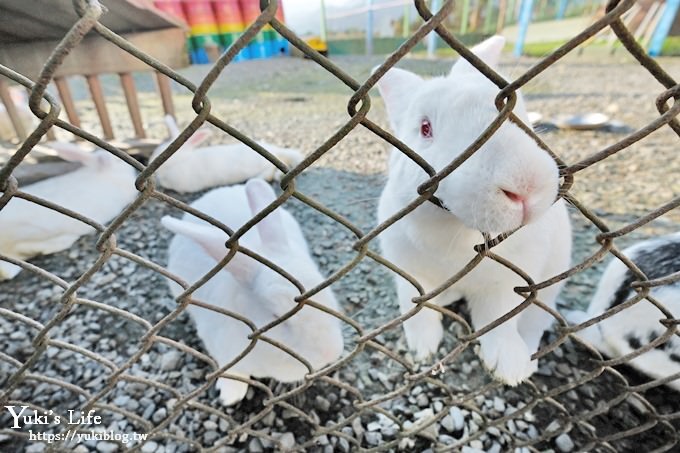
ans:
(369, 28)
(524, 20)
(561, 11)
(432, 37)
(664, 26)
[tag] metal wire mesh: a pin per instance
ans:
(585, 425)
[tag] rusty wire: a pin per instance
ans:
(358, 106)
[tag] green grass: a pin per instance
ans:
(671, 47)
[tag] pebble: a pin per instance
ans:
(322, 403)
(447, 423)
(372, 438)
(106, 447)
(287, 441)
(159, 415)
(499, 405)
(255, 446)
(170, 360)
(149, 447)
(564, 443)
(458, 418)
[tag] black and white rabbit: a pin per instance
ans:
(638, 325)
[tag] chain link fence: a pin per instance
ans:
(533, 417)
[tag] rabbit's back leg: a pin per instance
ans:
(8, 270)
(231, 390)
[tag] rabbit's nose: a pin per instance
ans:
(518, 199)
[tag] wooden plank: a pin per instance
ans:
(166, 93)
(14, 118)
(67, 100)
(100, 104)
(95, 55)
(132, 103)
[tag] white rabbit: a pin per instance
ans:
(638, 325)
(251, 289)
(193, 168)
(27, 118)
(509, 182)
(99, 190)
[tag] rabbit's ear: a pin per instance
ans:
(396, 88)
(260, 195)
(198, 137)
(489, 51)
(74, 153)
(212, 240)
(171, 124)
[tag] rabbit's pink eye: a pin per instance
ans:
(426, 128)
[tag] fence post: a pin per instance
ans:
(524, 20)
(502, 10)
(432, 37)
(465, 17)
(562, 9)
(323, 33)
(406, 26)
(664, 26)
(369, 27)
(488, 16)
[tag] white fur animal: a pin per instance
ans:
(99, 190)
(509, 182)
(193, 168)
(638, 325)
(251, 289)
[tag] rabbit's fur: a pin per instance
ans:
(251, 289)
(637, 325)
(194, 168)
(99, 190)
(509, 182)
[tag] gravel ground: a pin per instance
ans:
(295, 104)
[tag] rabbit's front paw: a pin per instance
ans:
(508, 359)
(8, 270)
(424, 332)
(231, 391)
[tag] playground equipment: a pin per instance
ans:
(215, 24)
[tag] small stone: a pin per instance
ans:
(564, 443)
(106, 447)
(495, 448)
(268, 419)
(467, 449)
(170, 360)
(358, 429)
(159, 415)
(210, 425)
(372, 438)
(458, 418)
(477, 444)
(149, 447)
(373, 426)
(36, 448)
(422, 400)
(447, 423)
(499, 405)
(322, 403)
(322, 440)
(343, 444)
(255, 446)
(209, 437)
(287, 441)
